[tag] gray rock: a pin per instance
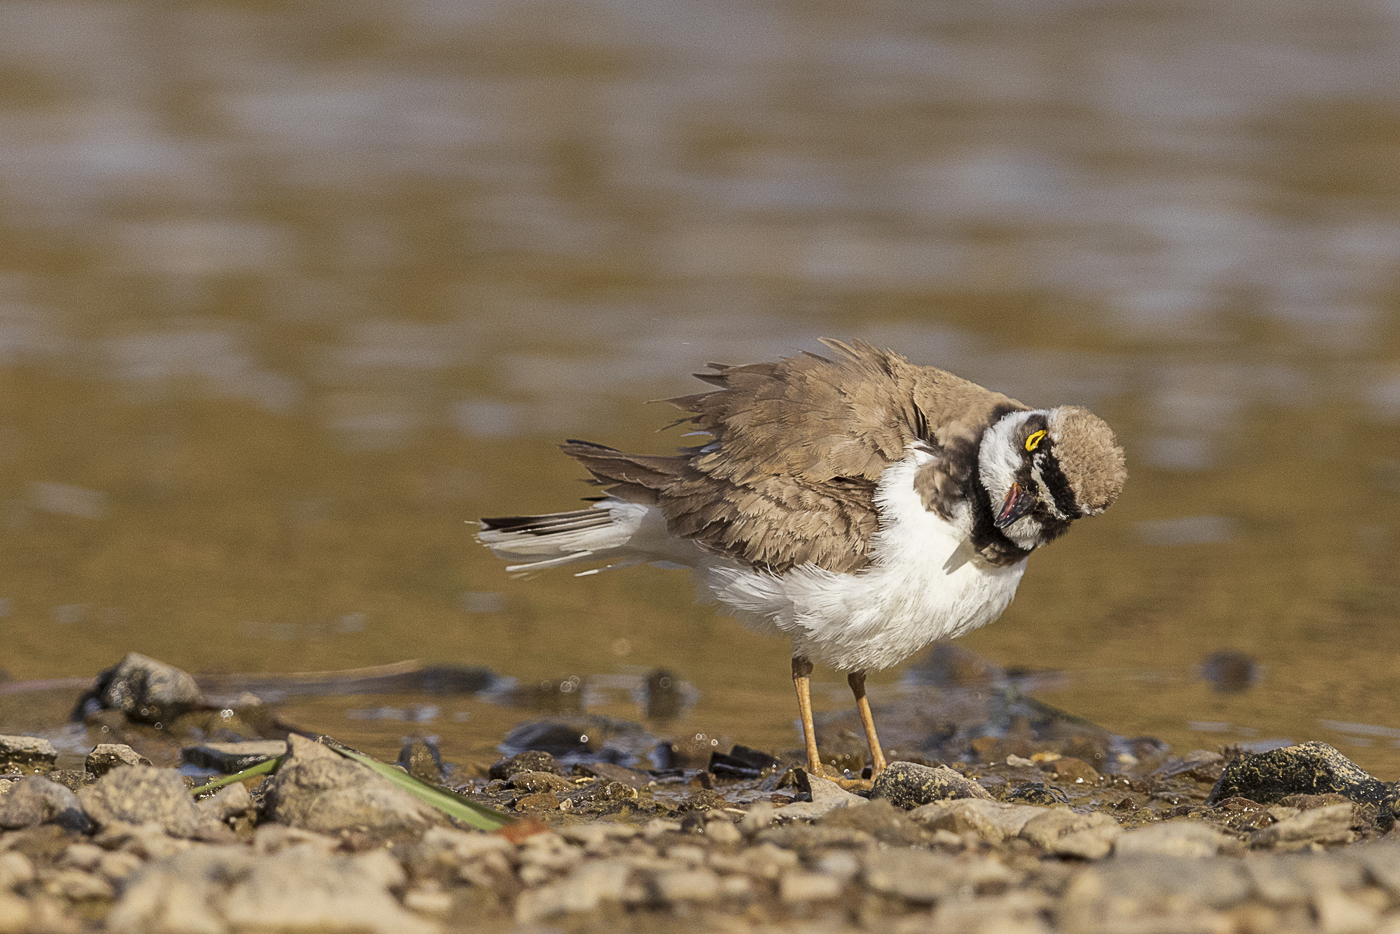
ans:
(1331, 824)
(317, 789)
(26, 753)
(232, 757)
(139, 794)
(992, 821)
(588, 887)
(1062, 832)
(302, 888)
(915, 875)
(1154, 893)
(36, 800)
(229, 801)
(146, 690)
(826, 795)
(1304, 769)
(107, 756)
(908, 785)
(1172, 838)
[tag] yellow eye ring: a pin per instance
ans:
(1034, 440)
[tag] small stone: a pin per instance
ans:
(26, 753)
(1330, 824)
(826, 795)
(723, 832)
(15, 870)
(1339, 913)
(540, 781)
(909, 785)
(610, 772)
(799, 887)
(1307, 768)
(1071, 771)
(77, 886)
(146, 690)
(107, 756)
(759, 815)
(232, 757)
(914, 875)
(1174, 838)
(688, 885)
(139, 794)
(528, 761)
(538, 801)
(36, 800)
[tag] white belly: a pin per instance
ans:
(920, 587)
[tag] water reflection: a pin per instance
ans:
(277, 317)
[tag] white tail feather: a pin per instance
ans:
(623, 534)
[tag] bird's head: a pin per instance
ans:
(1045, 468)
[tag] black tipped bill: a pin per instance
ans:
(1017, 503)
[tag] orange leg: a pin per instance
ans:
(802, 680)
(856, 680)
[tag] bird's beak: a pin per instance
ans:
(1018, 502)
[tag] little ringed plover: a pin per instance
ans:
(859, 504)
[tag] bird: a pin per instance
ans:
(860, 504)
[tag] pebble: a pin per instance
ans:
(799, 887)
(146, 690)
(139, 794)
(1331, 824)
(826, 795)
(1173, 838)
(36, 800)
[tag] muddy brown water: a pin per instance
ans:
(290, 295)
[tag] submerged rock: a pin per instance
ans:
(909, 785)
(232, 757)
(144, 689)
(1307, 768)
(36, 800)
(423, 761)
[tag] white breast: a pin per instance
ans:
(921, 586)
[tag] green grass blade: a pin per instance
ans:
(262, 768)
(469, 812)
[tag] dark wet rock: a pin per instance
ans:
(561, 740)
(232, 757)
(1231, 672)
(423, 761)
(742, 762)
(36, 800)
(146, 690)
(528, 761)
(1330, 824)
(663, 697)
(26, 754)
(591, 738)
(613, 773)
(908, 785)
(1200, 764)
(319, 790)
(1308, 768)
(1037, 793)
(540, 781)
(139, 794)
(299, 888)
(107, 756)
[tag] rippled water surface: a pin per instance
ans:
(289, 293)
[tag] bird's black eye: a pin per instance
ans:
(1034, 440)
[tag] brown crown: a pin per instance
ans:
(1092, 461)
